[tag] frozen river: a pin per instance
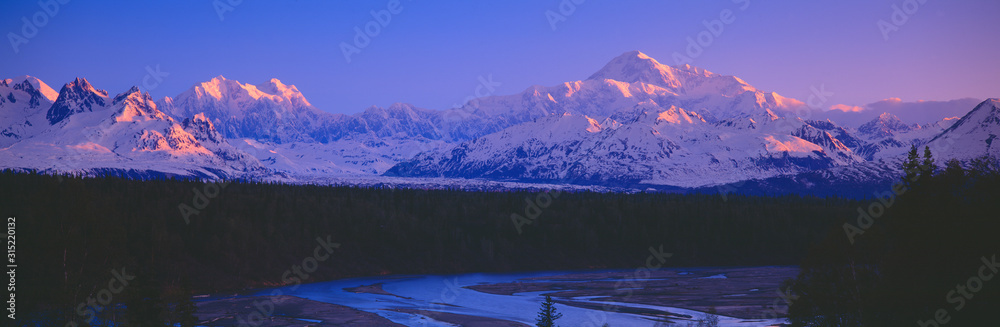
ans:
(448, 293)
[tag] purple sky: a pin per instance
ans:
(433, 54)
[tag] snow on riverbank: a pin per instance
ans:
(448, 293)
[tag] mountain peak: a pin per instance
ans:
(137, 106)
(635, 66)
(290, 92)
(885, 116)
(275, 86)
(637, 54)
(80, 85)
(993, 101)
(27, 80)
(631, 63)
(975, 132)
(884, 125)
(219, 87)
(75, 97)
(80, 81)
(987, 113)
(124, 95)
(275, 83)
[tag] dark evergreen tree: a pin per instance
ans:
(911, 166)
(953, 167)
(927, 166)
(547, 315)
(984, 166)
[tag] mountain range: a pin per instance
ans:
(633, 124)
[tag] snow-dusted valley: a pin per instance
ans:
(634, 124)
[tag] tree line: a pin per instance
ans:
(928, 260)
(182, 237)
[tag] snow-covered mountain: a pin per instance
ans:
(271, 111)
(627, 81)
(277, 125)
(973, 135)
(24, 101)
(86, 131)
(279, 113)
(962, 139)
(888, 137)
(649, 145)
(633, 123)
(639, 121)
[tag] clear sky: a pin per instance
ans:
(434, 53)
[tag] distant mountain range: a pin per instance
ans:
(634, 124)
